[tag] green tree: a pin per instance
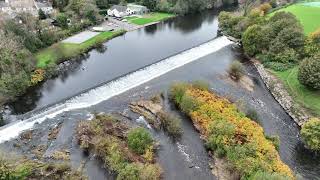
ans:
(60, 4)
(312, 46)
(251, 40)
(41, 14)
(139, 140)
(150, 4)
(130, 172)
(62, 20)
(309, 69)
(310, 133)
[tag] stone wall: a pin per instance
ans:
(279, 92)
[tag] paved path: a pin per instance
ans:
(81, 37)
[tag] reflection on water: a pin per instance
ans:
(120, 56)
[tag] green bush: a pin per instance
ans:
(171, 124)
(202, 85)
(275, 141)
(150, 172)
(177, 91)
(310, 134)
(219, 132)
(255, 40)
(308, 74)
(62, 20)
(130, 172)
(236, 70)
(260, 175)
(139, 140)
(278, 66)
(187, 104)
(252, 114)
(286, 56)
(228, 24)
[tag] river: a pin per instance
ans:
(145, 62)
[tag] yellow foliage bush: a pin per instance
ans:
(37, 76)
(265, 7)
(241, 140)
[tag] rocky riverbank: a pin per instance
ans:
(281, 95)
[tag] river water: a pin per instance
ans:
(145, 62)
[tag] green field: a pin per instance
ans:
(62, 51)
(304, 96)
(149, 18)
(308, 14)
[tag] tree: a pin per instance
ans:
(310, 133)
(251, 40)
(312, 46)
(151, 4)
(102, 4)
(62, 20)
(265, 7)
(246, 6)
(139, 140)
(41, 14)
(60, 4)
(309, 72)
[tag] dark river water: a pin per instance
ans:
(187, 158)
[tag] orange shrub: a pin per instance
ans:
(240, 139)
(265, 7)
(37, 76)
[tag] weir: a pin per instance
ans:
(115, 87)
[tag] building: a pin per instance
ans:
(14, 7)
(130, 9)
(117, 11)
(138, 9)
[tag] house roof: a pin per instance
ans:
(119, 8)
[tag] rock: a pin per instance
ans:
(27, 135)
(279, 92)
(149, 110)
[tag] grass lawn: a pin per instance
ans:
(149, 18)
(62, 51)
(304, 96)
(309, 15)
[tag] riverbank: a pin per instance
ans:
(280, 93)
(48, 58)
(61, 51)
(150, 18)
(306, 97)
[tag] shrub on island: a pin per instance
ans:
(128, 152)
(230, 134)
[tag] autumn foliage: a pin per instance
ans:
(126, 151)
(228, 132)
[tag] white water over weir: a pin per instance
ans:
(116, 87)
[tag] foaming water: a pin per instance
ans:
(116, 87)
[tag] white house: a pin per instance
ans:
(138, 9)
(118, 11)
(130, 9)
